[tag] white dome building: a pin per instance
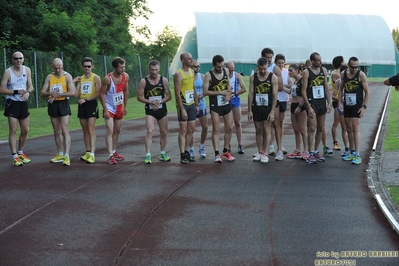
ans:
(240, 37)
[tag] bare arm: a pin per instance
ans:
(140, 93)
(125, 93)
(243, 88)
(177, 79)
(277, 72)
(168, 95)
(4, 81)
(105, 85)
(250, 94)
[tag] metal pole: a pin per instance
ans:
(4, 58)
(105, 65)
(36, 90)
(141, 73)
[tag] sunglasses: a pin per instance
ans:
(353, 67)
(18, 58)
(86, 66)
(197, 66)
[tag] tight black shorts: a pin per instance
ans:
(191, 111)
(58, 108)
(222, 110)
(261, 116)
(295, 105)
(16, 109)
(352, 111)
(335, 104)
(156, 114)
(282, 106)
(319, 109)
(88, 109)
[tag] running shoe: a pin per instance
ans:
(201, 150)
(183, 158)
(346, 152)
(191, 154)
(57, 159)
(147, 159)
(305, 155)
(85, 156)
(279, 156)
(284, 150)
(164, 157)
(91, 159)
(357, 160)
(264, 158)
(227, 156)
(24, 158)
(319, 157)
(348, 157)
(295, 155)
(67, 161)
(240, 149)
(311, 158)
(17, 161)
(218, 159)
(112, 160)
(271, 150)
(118, 157)
(327, 151)
(257, 157)
(336, 146)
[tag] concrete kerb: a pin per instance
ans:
(375, 174)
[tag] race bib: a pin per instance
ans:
(86, 88)
(262, 99)
(19, 87)
(155, 98)
(118, 98)
(293, 91)
(56, 87)
(189, 97)
(350, 99)
(222, 100)
(318, 92)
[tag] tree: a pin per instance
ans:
(166, 44)
(395, 36)
(78, 27)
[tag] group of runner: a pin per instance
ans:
(271, 87)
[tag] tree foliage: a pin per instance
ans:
(395, 36)
(79, 27)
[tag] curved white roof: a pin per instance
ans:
(240, 37)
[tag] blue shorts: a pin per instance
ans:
(202, 112)
(235, 102)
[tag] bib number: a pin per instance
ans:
(262, 99)
(222, 100)
(56, 87)
(86, 88)
(318, 92)
(293, 90)
(189, 97)
(350, 99)
(118, 98)
(155, 98)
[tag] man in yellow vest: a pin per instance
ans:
(58, 87)
(88, 91)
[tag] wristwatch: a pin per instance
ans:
(85, 99)
(364, 106)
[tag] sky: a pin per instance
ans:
(179, 14)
